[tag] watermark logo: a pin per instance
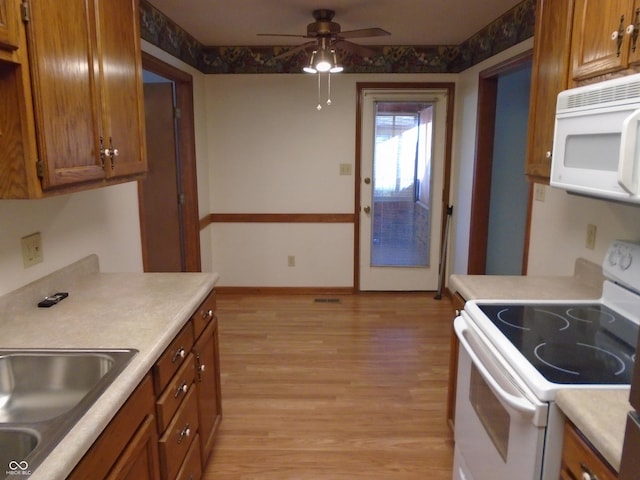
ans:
(18, 468)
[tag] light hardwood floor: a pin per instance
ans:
(347, 390)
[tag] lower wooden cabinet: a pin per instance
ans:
(127, 448)
(580, 461)
(180, 434)
(458, 304)
(208, 387)
(166, 429)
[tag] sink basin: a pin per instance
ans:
(43, 393)
(40, 386)
(16, 445)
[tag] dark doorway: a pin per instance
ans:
(168, 198)
(487, 220)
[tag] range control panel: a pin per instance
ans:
(622, 264)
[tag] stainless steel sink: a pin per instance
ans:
(15, 446)
(43, 393)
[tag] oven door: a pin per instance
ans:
(500, 425)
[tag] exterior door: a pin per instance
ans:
(402, 177)
(160, 207)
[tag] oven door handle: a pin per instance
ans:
(518, 403)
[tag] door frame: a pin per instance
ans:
(187, 166)
(481, 190)
(360, 86)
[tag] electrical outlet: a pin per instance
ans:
(345, 169)
(539, 191)
(291, 260)
(31, 249)
(591, 237)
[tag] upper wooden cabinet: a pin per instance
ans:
(78, 121)
(549, 76)
(9, 26)
(605, 37)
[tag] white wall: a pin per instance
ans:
(559, 230)
(271, 151)
(103, 221)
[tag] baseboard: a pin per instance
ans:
(287, 290)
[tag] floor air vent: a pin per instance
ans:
(326, 300)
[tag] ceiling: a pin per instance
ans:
(411, 22)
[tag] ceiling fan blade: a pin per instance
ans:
(359, 50)
(281, 35)
(364, 32)
(294, 50)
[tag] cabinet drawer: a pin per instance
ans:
(204, 314)
(175, 442)
(578, 458)
(176, 391)
(191, 468)
(172, 358)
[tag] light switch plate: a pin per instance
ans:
(31, 249)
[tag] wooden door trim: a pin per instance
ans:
(186, 145)
(481, 190)
(360, 87)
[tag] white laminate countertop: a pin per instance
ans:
(599, 414)
(143, 311)
(585, 284)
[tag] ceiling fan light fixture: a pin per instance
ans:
(336, 67)
(311, 68)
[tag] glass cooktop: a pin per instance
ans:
(570, 344)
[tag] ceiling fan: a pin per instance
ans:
(327, 35)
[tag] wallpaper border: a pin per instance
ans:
(513, 27)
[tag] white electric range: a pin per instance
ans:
(514, 357)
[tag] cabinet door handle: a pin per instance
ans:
(632, 30)
(184, 388)
(207, 314)
(186, 431)
(180, 353)
(617, 35)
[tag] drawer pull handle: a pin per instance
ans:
(587, 474)
(181, 389)
(207, 314)
(186, 431)
(180, 353)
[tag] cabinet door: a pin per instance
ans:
(208, 387)
(131, 434)
(9, 24)
(139, 461)
(61, 45)
(600, 44)
(121, 83)
(552, 48)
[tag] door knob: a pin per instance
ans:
(367, 209)
(367, 180)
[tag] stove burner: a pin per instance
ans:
(579, 356)
(590, 314)
(516, 320)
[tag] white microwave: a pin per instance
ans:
(596, 146)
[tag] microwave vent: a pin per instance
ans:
(611, 94)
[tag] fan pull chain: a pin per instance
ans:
(319, 107)
(329, 88)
